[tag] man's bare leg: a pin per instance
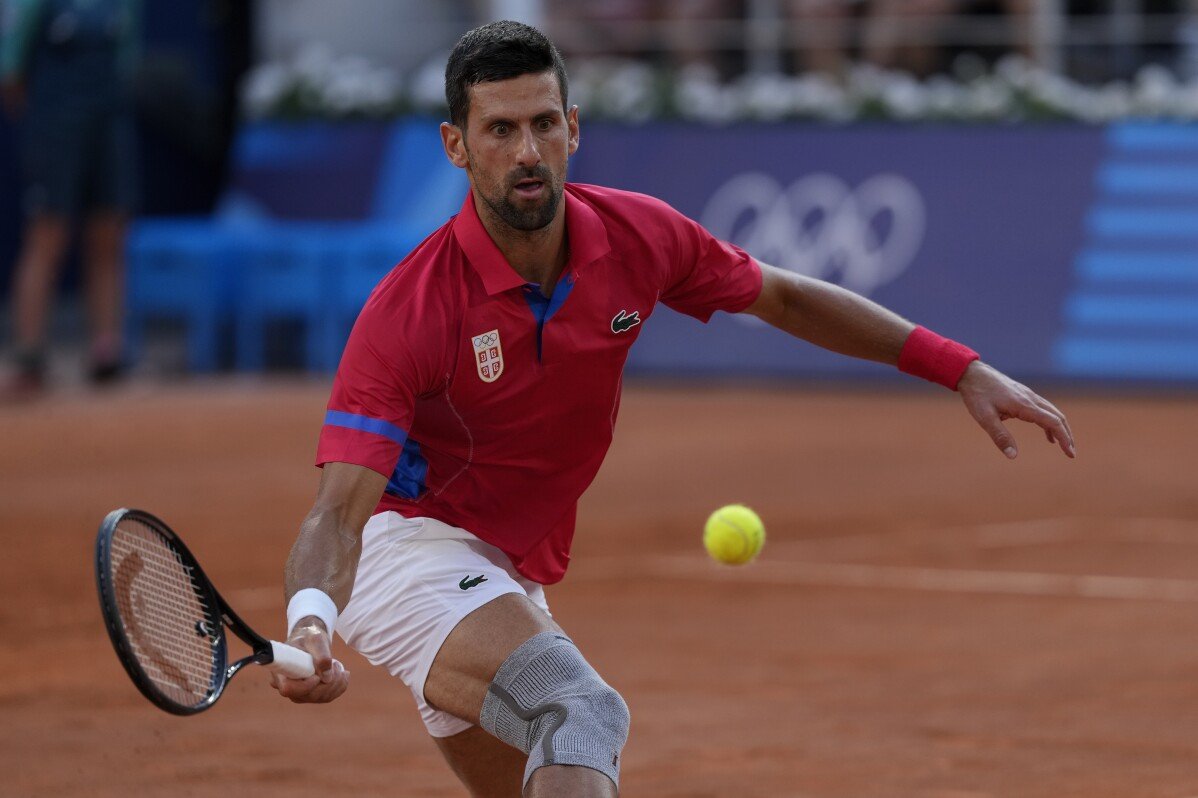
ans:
(46, 238)
(489, 767)
(104, 238)
(465, 667)
(45, 244)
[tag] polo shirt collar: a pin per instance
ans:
(587, 236)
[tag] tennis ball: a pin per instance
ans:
(733, 534)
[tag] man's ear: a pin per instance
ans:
(572, 126)
(454, 142)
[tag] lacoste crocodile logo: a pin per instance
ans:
(623, 321)
(468, 583)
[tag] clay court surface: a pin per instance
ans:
(927, 618)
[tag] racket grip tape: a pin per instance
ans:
(291, 662)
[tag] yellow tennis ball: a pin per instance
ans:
(733, 534)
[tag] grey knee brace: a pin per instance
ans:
(550, 703)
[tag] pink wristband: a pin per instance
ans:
(935, 358)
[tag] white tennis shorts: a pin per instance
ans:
(416, 580)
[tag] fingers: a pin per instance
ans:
(998, 433)
(1071, 449)
(320, 689)
(991, 397)
(315, 640)
(331, 678)
(291, 688)
(1050, 420)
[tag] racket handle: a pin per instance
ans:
(290, 661)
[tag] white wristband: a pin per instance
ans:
(311, 601)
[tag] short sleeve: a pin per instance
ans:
(382, 372)
(708, 274)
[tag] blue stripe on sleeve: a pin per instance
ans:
(338, 418)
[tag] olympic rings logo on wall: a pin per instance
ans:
(819, 226)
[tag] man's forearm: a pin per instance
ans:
(831, 317)
(325, 556)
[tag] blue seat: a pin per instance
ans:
(245, 269)
(364, 256)
(286, 272)
(177, 269)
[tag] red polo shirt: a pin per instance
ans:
(489, 406)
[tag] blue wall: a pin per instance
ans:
(1061, 251)
(1132, 311)
(969, 231)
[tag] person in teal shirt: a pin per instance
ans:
(65, 75)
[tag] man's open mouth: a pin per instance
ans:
(530, 188)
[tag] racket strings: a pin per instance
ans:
(172, 630)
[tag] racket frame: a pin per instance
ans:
(219, 611)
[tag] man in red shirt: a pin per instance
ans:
(476, 400)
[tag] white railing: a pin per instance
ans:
(767, 33)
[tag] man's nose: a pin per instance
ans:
(528, 154)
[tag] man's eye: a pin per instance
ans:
(500, 130)
(545, 124)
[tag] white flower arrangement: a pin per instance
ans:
(318, 84)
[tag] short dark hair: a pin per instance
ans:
(498, 51)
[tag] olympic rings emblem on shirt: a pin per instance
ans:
(488, 355)
(485, 340)
(821, 227)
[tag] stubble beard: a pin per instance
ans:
(527, 219)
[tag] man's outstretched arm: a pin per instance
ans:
(841, 321)
(325, 559)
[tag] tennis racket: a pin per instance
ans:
(166, 620)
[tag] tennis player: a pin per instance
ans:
(476, 400)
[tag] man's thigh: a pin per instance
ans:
(463, 669)
(485, 765)
(417, 580)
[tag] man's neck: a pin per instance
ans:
(539, 256)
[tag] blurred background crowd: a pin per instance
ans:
(118, 110)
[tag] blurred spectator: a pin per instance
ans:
(186, 94)
(895, 34)
(1187, 43)
(680, 33)
(696, 42)
(904, 34)
(65, 73)
(823, 34)
(1115, 39)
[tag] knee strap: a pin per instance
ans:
(550, 703)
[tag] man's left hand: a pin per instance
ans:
(992, 397)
